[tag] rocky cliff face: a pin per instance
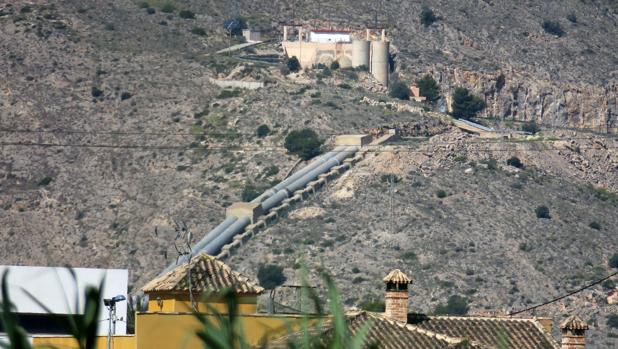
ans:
(521, 97)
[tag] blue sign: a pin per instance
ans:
(231, 24)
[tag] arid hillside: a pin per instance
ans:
(459, 221)
(111, 131)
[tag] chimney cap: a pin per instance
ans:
(397, 277)
(574, 322)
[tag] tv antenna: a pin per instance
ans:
(182, 245)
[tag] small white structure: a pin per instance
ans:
(57, 290)
(330, 35)
(251, 35)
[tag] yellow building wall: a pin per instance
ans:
(174, 303)
(66, 342)
(172, 331)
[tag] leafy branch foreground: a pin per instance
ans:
(83, 328)
(217, 331)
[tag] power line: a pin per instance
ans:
(565, 296)
(132, 133)
(370, 149)
(207, 133)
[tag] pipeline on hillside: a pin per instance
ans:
(224, 233)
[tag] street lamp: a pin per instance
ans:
(110, 303)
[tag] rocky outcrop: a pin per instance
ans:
(521, 97)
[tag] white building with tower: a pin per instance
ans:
(367, 48)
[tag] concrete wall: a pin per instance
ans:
(311, 53)
(248, 85)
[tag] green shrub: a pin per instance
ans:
(525, 247)
(168, 7)
(553, 27)
(293, 64)
(344, 86)
(226, 93)
(270, 276)
(612, 321)
(515, 162)
(334, 65)
(604, 194)
(409, 256)
(530, 127)
(355, 270)
(262, 131)
(466, 105)
(96, 92)
(572, 17)
(492, 164)
(325, 73)
(304, 143)
(235, 25)
(150, 11)
(250, 192)
(390, 178)
(198, 31)
(500, 82)
(441, 194)
(427, 16)
(456, 305)
(609, 284)
(186, 14)
(613, 261)
(45, 181)
(595, 225)
(358, 280)
(400, 90)
(428, 88)
(374, 305)
(271, 171)
(542, 212)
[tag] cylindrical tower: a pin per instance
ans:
(360, 53)
(379, 61)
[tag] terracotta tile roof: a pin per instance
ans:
(573, 322)
(207, 275)
(386, 334)
(489, 332)
(397, 277)
(433, 332)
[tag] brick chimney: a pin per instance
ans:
(396, 300)
(573, 333)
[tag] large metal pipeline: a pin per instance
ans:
(227, 236)
(224, 233)
(281, 185)
(199, 246)
(307, 177)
